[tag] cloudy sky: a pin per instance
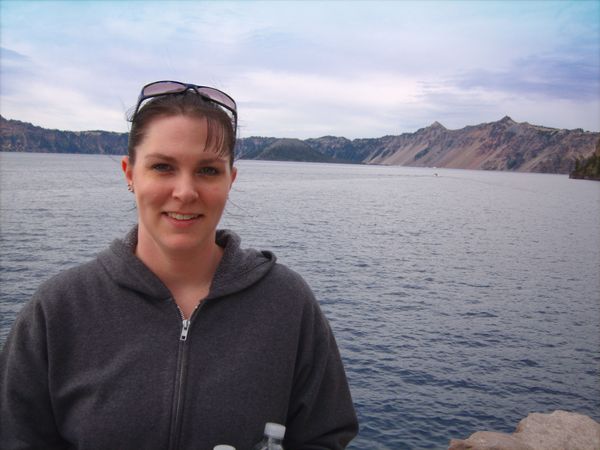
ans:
(307, 69)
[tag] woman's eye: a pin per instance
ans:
(208, 171)
(161, 167)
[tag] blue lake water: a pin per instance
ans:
(461, 301)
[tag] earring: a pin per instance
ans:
(130, 187)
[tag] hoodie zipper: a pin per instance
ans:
(180, 375)
(184, 329)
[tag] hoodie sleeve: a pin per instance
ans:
(26, 416)
(321, 409)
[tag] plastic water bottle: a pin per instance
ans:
(274, 433)
(223, 447)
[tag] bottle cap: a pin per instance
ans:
(274, 430)
(224, 447)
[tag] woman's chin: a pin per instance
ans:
(184, 244)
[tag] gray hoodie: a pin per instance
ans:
(100, 358)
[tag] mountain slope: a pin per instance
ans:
(501, 145)
(17, 136)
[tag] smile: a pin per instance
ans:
(178, 216)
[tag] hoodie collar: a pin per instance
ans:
(239, 268)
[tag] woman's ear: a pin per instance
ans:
(233, 175)
(127, 169)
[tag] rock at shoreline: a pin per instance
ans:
(560, 430)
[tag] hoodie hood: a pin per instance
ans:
(239, 268)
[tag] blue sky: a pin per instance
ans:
(307, 69)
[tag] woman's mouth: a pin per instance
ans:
(179, 216)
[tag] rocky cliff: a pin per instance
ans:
(501, 145)
(588, 168)
(16, 136)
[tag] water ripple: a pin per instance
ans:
(460, 302)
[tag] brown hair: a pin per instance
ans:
(221, 133)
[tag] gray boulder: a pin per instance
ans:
(560, 430)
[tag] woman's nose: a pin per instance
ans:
(185, 189)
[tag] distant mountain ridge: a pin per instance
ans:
(17, 136)
(501, 145)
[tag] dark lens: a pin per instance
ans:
(218, 96)
(163, 87)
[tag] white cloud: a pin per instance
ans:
(308, 104)
(303, 69)
(54, 106)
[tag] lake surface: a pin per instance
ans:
(460, 302)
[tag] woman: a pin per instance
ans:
(175, 337)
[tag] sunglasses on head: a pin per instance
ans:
(159, 88)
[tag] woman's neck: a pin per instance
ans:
(181, 271)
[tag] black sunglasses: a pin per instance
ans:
(159, 88)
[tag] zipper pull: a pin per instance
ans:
(184, 330)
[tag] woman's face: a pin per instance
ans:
(180, 186)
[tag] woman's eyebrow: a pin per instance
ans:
(201, 160)
(160, 156)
